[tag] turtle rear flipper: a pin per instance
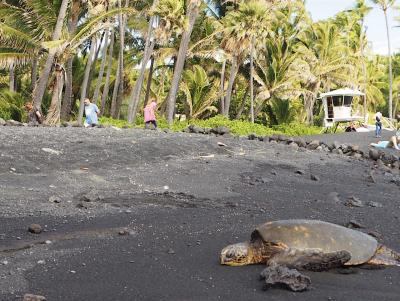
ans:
(385, 256)
(310, 259)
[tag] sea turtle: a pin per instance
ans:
(287, 245)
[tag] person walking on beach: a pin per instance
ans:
(91, 113)
(34, 116)
(378, 124)
(149, 114)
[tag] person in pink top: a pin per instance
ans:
(150, 115)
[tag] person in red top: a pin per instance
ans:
(150, 115)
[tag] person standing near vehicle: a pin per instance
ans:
(378, 124)
(91, 113)
(150, 115)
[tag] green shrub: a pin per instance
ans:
(237, 127)
(11, 105)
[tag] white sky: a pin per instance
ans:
(375, 22)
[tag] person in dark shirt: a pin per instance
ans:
(34, 116)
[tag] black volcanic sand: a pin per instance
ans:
(179, 198)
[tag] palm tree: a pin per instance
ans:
(75, 13)
(108, 74)
(323, 63)
(102, 67)
(165, 19)
(44, 76)
(246, 29)
(385, 5)
(192, 11)
(200, 93)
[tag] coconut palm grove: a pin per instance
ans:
(261, 64)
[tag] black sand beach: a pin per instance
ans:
(143, 215)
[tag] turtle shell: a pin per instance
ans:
(312, 234)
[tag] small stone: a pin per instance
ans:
(82, 205)
(91, 196)
(300, 142)
(54, 199)
(375, 234)
(371, 177)
(35, 229)
(355, 224)
(4, 262)
(72, 272)
(196, 129)
(293, 146)
(313, 145)
(290, 278)
(123, 232)
(171, 251)
(221, 130)
(374, 154)
(166, 187)
(30, 297)
(47, 242)
(314, 177)
(354, 202)
(51, 151)
(335, 145)
(13, 123)
(41, 262)
(252, 136)
(300, 172)
(375, 204)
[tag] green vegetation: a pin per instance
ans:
(260, 63)
(237, 127)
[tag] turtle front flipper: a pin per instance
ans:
(310, 259)
(385, 256)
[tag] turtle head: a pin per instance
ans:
(237, 254)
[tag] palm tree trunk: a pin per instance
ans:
(251, 81)
(86, 78)
(101, 71)
(193, 12)
(364, 69)
(108, 74)
(53, 114)
(120, 94)
(148, 51)
(390, 68)
(232, 76)
(44, 76)
(242, 105)
(34, 73)
(12, 78)
(116, 86)
(148, 84)
(222, 88)
(95, 58)
(68, 101)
